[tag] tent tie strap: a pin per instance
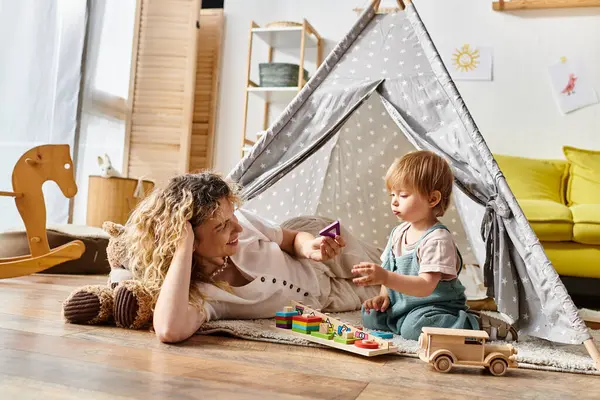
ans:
(490, 229)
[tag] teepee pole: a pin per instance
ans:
(593, 350)
(376, 5)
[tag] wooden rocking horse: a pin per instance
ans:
(36, 166)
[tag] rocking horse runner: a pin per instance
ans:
(36, 166)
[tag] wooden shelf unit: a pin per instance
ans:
(285, 37)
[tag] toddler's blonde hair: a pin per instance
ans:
(424, 172)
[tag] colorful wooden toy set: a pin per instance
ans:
(321, 328)
(283, 319)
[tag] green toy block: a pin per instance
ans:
(300, 330)
(340, 339)
(327, 336)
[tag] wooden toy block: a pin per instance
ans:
(366, 344)
(343, 340)
(304, 325)
(307, 319)
(306, 328)
(327, 336)
(286, 314)
(284, 326)
(300, 330)
(328, 230)
(348, 335)
(323, 328)
(383, 335)
(287, 309)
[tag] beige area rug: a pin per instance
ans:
(533, 353)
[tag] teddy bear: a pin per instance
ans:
(123, 301)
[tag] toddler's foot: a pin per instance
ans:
(496, 327)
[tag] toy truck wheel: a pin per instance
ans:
(442, 364)
(498, 367)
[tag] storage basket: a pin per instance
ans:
(283, 24)
(279, 74)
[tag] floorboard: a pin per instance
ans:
(39, 353)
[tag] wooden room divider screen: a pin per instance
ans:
(173, 89)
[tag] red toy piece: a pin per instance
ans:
(366, 344)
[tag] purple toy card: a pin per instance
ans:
(327, 231)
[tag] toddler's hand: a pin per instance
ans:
(372, 274)
(377, 303)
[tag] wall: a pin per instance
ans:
(516, 112)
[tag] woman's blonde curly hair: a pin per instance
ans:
(155, 227)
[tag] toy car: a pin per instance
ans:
(443, 347)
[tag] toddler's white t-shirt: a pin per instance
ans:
(436, 253)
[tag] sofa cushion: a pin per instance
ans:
(551, 221)
(531, 178)
(583, 185)
(574, 259)
(587, 223)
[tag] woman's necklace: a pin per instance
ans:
(221, 268)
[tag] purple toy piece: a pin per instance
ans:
(327, 230)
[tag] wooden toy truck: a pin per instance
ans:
(442, 347)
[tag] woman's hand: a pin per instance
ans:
(377, 303)
(323, 248)
(371, 274)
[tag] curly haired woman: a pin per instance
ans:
(202, 258)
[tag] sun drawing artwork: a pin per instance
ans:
(469, 62)
(466, 59)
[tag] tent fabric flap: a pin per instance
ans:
(315, 123)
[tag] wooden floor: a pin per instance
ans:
(40, 354)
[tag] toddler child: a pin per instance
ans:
(421, 262)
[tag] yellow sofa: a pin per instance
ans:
(561, 200)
